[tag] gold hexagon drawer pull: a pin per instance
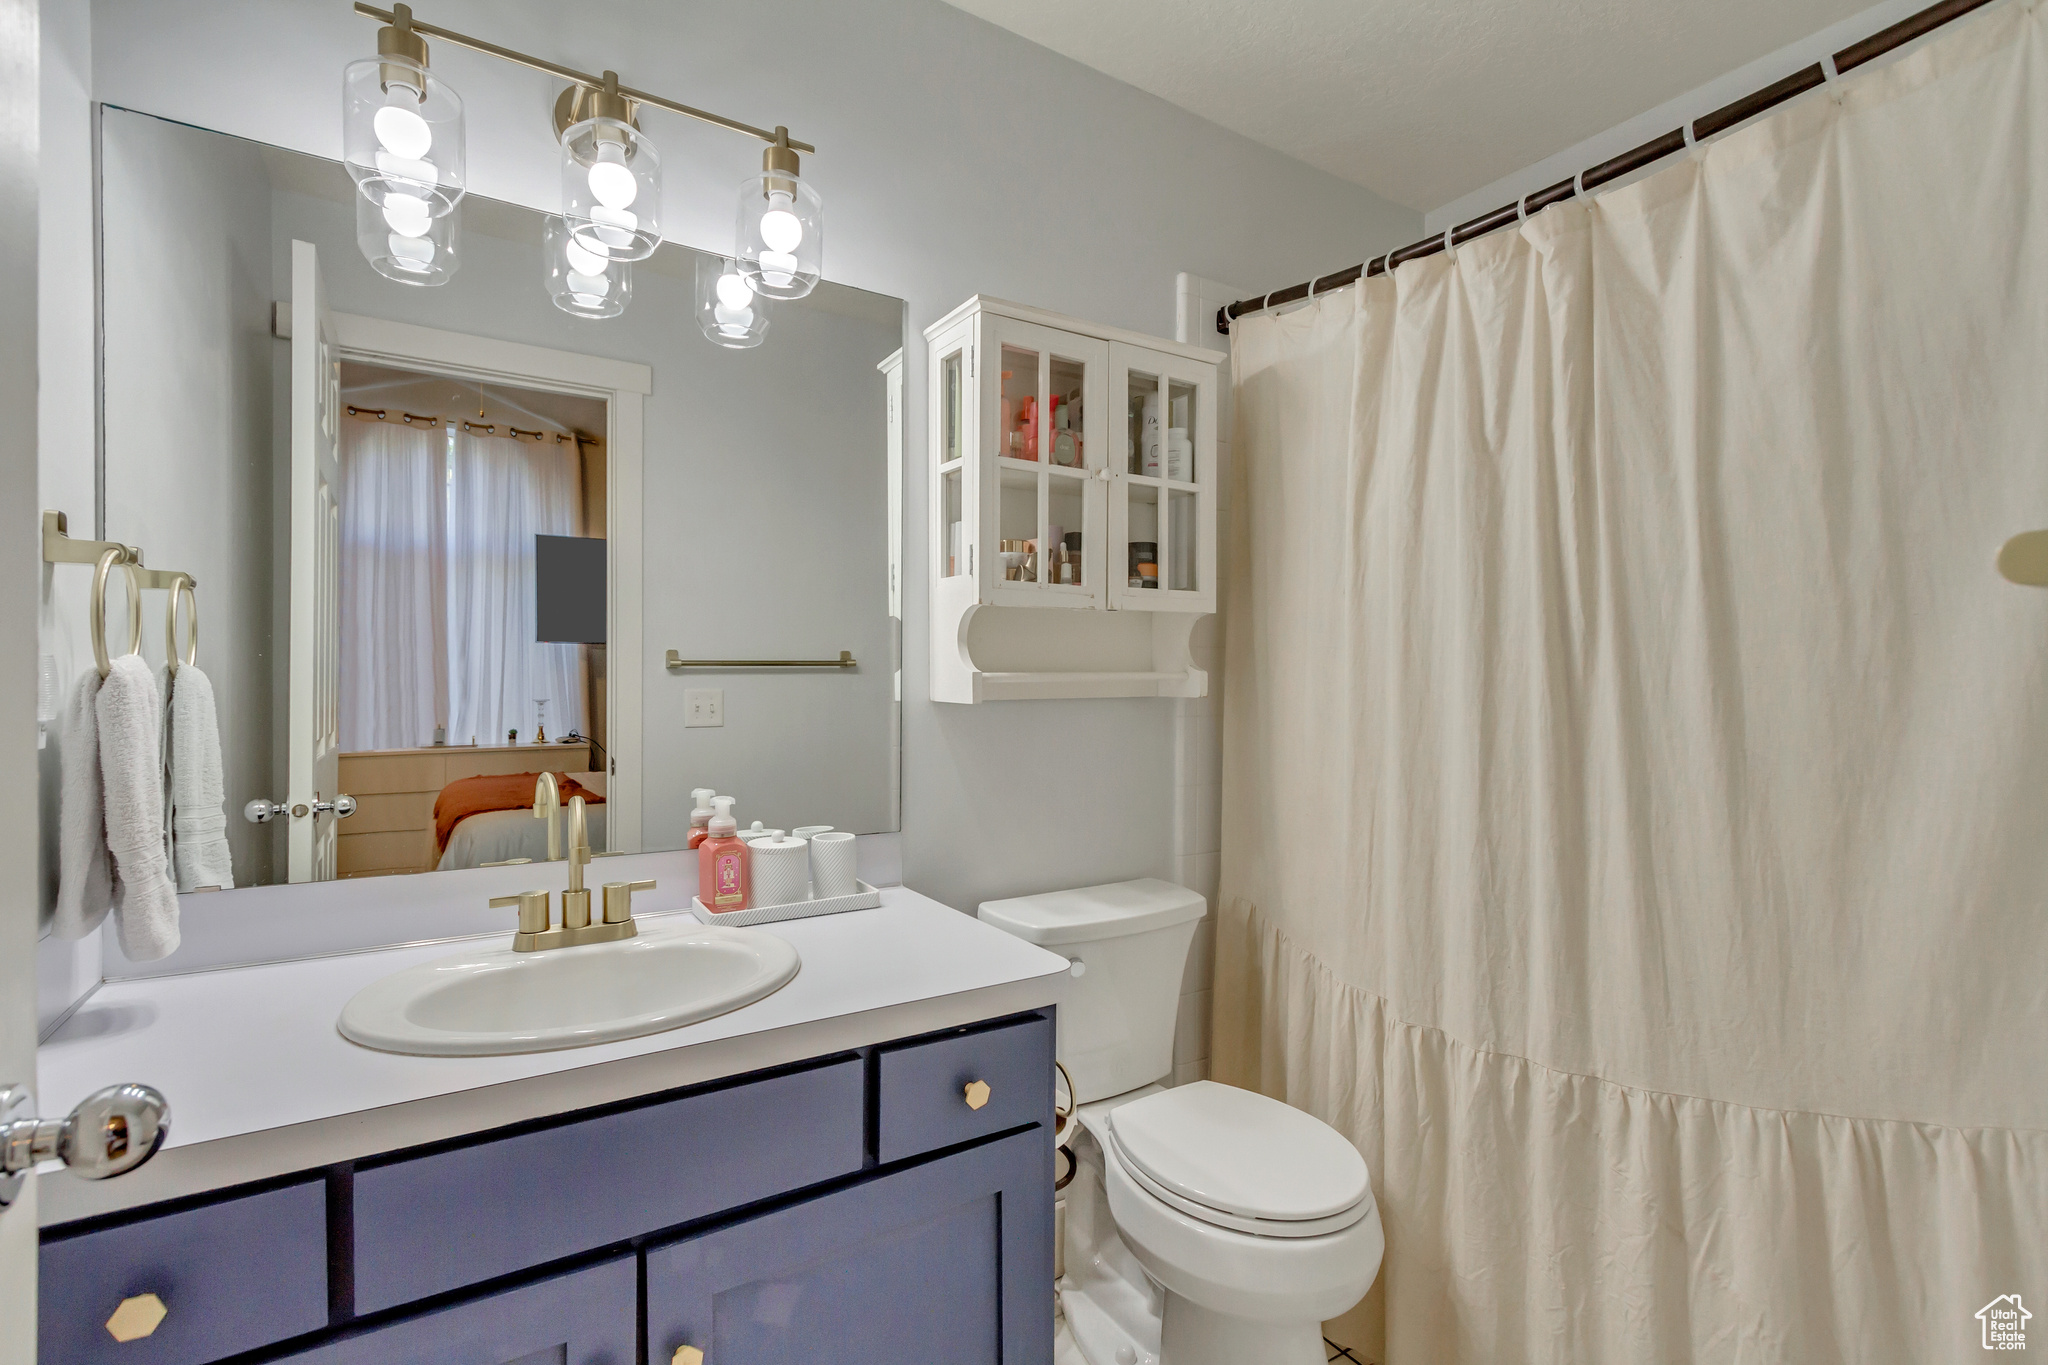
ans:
(977, 1094)
(687, 1355)
(136, 1318)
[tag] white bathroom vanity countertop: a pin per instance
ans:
(261, 1083)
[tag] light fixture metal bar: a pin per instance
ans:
(570, 74)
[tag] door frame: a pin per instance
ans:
(623, 386)
(24, 36)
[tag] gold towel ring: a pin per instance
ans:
(181, 586)
(105, 566)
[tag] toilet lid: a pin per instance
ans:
(1241, 1153)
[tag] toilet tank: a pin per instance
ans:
(1128, 942)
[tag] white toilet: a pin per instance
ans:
(1205, 1224)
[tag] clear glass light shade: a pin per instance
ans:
(611, 189)
(727, 309)
(401, 133)
(404, 241)
(781, 234)
(581, 282)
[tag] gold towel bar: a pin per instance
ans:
(845, 660)
(60, 548)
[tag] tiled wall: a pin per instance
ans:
(1198, 733)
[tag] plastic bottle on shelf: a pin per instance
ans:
(722, 863)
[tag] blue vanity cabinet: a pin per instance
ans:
(495, 1205)
(892, 1202)
(584, 1317)
(232, 1275)
(945, 1263)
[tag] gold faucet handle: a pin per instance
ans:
(618, 900)
(534, 914)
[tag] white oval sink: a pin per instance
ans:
(493, 1000)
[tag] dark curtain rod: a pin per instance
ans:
(1673, 142)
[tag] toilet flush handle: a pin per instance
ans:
(1076, 967)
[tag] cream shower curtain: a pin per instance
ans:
(1636, 775)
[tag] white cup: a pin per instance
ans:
(809, 831)
(833, 865)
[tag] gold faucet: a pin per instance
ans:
(536, 918)
(576, 900)
(547, 805)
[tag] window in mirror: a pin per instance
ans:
(451, 496)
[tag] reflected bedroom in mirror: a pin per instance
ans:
(478, 549)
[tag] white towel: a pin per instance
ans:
(132, 775)
(199, 844)
(85, 877)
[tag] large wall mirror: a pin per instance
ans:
(448, 538)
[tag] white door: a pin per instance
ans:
(314, 766)
(18, 618)
(1043, 478)
(1162, 502)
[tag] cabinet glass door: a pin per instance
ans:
(1045, 433)
(950, 403)
(1162, 514)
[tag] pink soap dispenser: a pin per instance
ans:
(722, 863)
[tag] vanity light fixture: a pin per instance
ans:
(407, 244)
(781, 232)
(583, 282)
(401, 127)
(404, 142)
(727, 311)
(611, 173)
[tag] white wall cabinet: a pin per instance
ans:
(1073, 522)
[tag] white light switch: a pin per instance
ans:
(703, 706)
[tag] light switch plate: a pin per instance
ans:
(703, 706)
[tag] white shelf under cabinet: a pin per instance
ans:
(1049, 430)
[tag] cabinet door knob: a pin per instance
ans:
(136, 1318)
(687, 1355)
(977, 1094)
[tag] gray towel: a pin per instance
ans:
(199, 844)
(85, 877)
(132, 775)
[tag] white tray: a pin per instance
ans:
(867, 898)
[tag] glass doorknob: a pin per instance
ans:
(111, 1132)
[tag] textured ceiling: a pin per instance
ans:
(1420, 101)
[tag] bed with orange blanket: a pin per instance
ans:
(480, 820)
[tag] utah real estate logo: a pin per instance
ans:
(2005, 1323)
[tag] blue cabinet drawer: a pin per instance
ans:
(944, 1263)
(924, 1101)
(500, 1205)
(231, 1276)
(585, 1317)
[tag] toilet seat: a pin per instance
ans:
(1238, 1160)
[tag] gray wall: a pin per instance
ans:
(956, 158)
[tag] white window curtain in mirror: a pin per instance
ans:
(1634, 832)
(394, 585)
(501, 494)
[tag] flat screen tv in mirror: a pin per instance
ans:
(445, 538)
